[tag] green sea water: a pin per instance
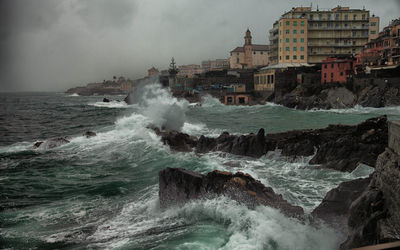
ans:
(102, 192)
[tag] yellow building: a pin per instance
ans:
(249, 55)
(340, 31)
(264, 80)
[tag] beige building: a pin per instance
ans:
(189, 70)
(218, 64)
(340, 31)
(249, 55)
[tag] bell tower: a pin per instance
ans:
(248, 50)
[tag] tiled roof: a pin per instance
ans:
(238, 49)
(256, 47)
(259, 47)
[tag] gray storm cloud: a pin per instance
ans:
(49, 45)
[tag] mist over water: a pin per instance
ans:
(102, 192)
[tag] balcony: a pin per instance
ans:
(339, 28)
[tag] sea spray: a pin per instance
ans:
(157, 104)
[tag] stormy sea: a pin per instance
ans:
(102, 192)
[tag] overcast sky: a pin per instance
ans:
(51, 45)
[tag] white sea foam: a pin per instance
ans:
(357, 109)
(74, 94)
(111, 104)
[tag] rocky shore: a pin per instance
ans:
(338, 96)
(339, 147)
(367, 210)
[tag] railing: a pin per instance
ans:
(339, 28)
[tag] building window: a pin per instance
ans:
(319, 16)
(280, 40)
(302, 57)
(301, 23)
(280, 32)
(287, 40)
(280, 57)
(280, 49)
(345, 25)
(294, 48)
(287, 49)
(346, 17)
(341, 73)
(329, 17)
(254, 53)
(287, 57)
(354, 33)
(294, 23)
(324, 75)
(311, 16)
(355, 17)
(287, 23)
(319, 25)
(237, 59)
(337, 25)
(287, 32)
(332, 65)
(294, 57)
(302, 40)
(302, 31)
(294, 31)
(295, 40)
(373, 23)
(363, 16)
(261, 52)
(337, 17)
(280, 23)
(373, 32)
(326, 66)
(332, 75)
(301, 48)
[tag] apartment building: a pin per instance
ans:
(306, 35)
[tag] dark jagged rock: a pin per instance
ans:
(106, 100)
(177, 186)
(52, 143)
(375, 216)
(177, 141)
(335, 206)
(89, 134)
(340, 147)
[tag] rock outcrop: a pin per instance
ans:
(375, 216)
(177, 186)
(335, 206)
(340, 147)
(106, 100)
(51, 143)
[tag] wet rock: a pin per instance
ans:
(52, 143)
(335, 206)
(177, 186)
(89, 134)
(37, 144)
(106, 100)
(178, 141)
(339, 147)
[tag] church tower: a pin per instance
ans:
(248, 50)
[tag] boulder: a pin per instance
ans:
(106, 100)
(177, 186)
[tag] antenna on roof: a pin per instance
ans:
(317, 8)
